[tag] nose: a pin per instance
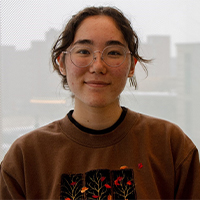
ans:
(98, 66)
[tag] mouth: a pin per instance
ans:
(97, 83)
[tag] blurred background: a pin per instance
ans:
(31, 94)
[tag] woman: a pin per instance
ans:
(100, 150)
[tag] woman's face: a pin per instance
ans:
(97, 85)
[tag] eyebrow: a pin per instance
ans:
(84, 42)
(114, 42)
(90, 42)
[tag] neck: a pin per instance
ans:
(97, 118)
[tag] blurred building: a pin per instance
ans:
(188, 87)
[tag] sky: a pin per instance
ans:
(25, 20)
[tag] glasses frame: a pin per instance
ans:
(98, 51)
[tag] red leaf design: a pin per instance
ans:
(124, 167)
(103, 178)
(129, 183)
(107, 186)
(119, 178)
(73, 183)
(140, 165)
(95, 196)
(116, 182)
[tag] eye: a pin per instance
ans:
(114, 53)
(81, 51)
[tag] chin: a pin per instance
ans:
(100, 103)
(97, 104)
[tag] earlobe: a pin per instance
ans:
(132, 69)
(62, 71)
(131, 72)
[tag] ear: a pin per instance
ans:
(131, 72)
(132, 69)
(61, 64)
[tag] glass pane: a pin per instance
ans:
(32, 96)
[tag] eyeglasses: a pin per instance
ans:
(83, 56)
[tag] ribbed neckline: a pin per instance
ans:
(99, 140)
(92, 131)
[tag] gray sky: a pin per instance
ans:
(26, 20)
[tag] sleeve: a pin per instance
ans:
(9, 187)
(188, 177)
(12, 175)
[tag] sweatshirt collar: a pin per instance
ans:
(98, 140)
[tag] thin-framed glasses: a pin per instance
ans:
(83, 56)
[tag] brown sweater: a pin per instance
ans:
(141, 158)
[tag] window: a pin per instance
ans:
(32, 96)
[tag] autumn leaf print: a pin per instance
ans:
(95, 196)
(73, 183)
(129, 183)
(123, 187)
(103, 178)
(107, 186)
(71, 186)
(84, 189)
(98, 184)
(109, 197)
(140, 165)
(124, 167)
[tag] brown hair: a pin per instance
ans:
(66, 38)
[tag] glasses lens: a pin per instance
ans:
(114, 55)
(81, 56)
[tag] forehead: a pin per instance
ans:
(99, 29)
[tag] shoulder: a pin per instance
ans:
(162, 137)
(34, 142)
(153, 125)
(46, 132)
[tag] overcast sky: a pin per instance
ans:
(26, 20)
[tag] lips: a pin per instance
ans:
(97, 83)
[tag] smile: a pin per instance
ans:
(96, 83)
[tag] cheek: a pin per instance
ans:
(120, 79)
(122, 72)
(71, 77)
(74, 75)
